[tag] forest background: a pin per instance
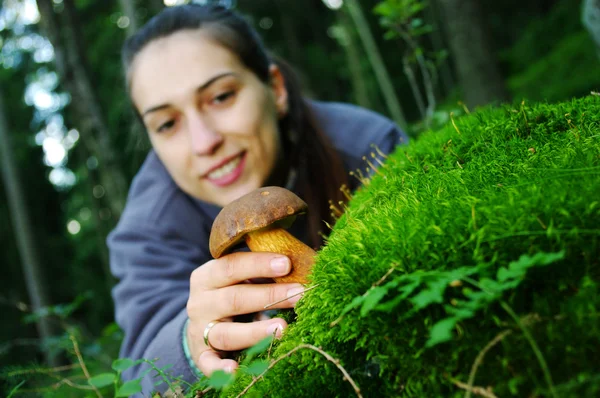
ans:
(70, 144)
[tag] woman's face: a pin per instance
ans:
(211, 121)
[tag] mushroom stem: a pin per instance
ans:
(278, 240)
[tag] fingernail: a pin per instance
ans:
(274, 329)
(281, 265)
(295, 294)
(228, 369)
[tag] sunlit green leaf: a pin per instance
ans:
(383, 9)
(122, 364)
(356, 302)
(433, 294)
(259, 347)
(102, 380)
(517, 269)
(220, 379)
(415, 23)
(422, 30)
(441, 331)
(406, 291)
(257, 367)
(372, 298)
(129, 388)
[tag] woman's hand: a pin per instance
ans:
(217, 293)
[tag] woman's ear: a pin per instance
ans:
(279, 90)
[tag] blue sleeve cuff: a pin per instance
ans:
(186, 350)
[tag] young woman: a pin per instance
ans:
(223, 118)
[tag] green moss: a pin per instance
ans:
(449, 214)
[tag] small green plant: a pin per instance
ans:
(107, 379)
(102, 384)
(91, 368)
(403, 19)
(425, 288)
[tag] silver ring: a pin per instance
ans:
(206, 331)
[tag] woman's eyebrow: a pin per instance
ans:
(200, 88)
(214, 79)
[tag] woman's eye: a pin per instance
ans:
(165, 126)
(219, 99)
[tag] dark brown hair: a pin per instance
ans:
(307, 149)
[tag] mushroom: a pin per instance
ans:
(261, 218)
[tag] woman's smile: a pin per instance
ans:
(228, 172)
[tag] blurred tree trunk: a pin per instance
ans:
(348, 43)
(65, 34)
(129, 10)
(470, 46)
(32, 268)
(439, 45)
(383, 78)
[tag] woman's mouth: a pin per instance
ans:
(229, 172)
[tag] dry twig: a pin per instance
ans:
(56, 386)
(484, 392)
(68, 382)
(287, 298)
(454, 123)
(383, 278)
(479, 359)
(43, 371)
(82, 364)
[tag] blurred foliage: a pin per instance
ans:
(570, 62)
(547, 63)
(538, 60)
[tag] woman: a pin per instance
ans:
(223, 119)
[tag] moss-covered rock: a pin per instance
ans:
(488, 235)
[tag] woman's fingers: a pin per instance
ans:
(210, 361)
(245, 299)
(232, 336)
(217, 293)
(237, 267)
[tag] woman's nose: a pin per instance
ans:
(204, 139)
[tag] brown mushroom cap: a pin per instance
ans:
(258, 209)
